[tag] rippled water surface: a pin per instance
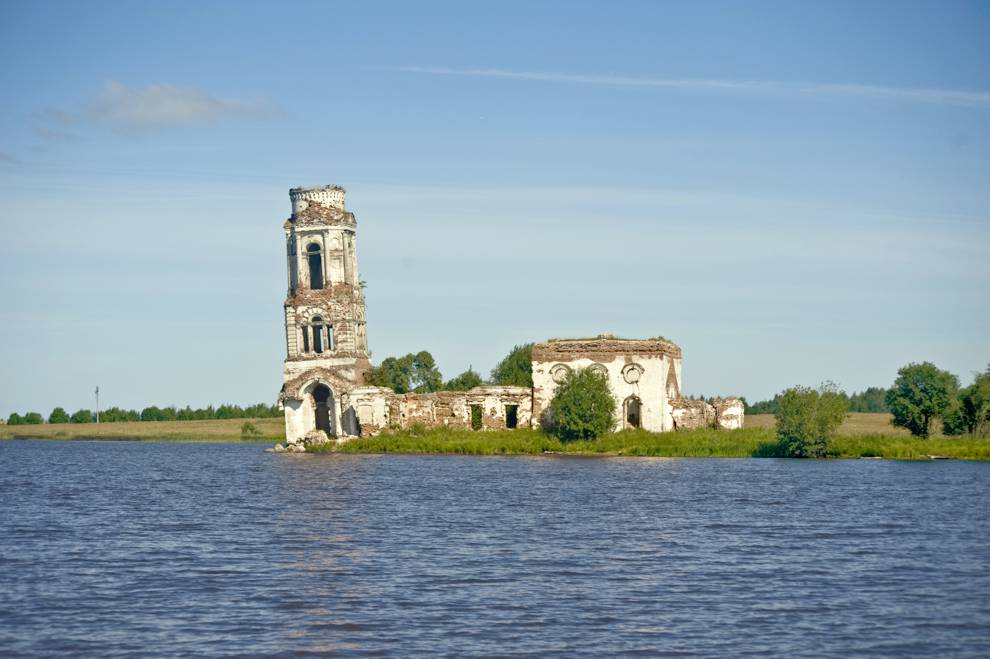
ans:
(206, 549)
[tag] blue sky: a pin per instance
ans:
(794, 192)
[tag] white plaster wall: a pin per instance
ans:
(370, 404)
(655, 413)
(326, 196)
(300, 415)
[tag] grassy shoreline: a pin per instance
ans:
(745, 443)
(212, 430)
(861, 435)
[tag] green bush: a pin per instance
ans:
(921, 394)
(970, 414)
(466, 381)
(583, 407)
(15, 419)
(807, 419)
(416, 373)
(33, 418)
(516, 369)
(249, 431)
(58, 415)
(82, 416)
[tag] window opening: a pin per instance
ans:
(511, 416)
(315, 266)
(317, 334)
(633, 412)
(476, 417)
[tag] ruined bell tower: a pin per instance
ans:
(325, 334)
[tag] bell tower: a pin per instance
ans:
(325, 334)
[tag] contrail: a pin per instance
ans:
(960, 98)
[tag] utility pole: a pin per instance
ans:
(97, 403)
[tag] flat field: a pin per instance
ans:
(213, 430)
(857, 423)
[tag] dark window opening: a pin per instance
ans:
(323, 399)
(329, 338)
(315, 266)
(476, 417)
(633, 409)
(511, 416)
(305, 339)
(318, 334)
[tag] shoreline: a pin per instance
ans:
(861, 436)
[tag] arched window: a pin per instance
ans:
(315, 257)
(633, 409)
(317, 334)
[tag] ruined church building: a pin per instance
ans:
(327, 354)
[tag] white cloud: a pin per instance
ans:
(121, 107)
(963, 98)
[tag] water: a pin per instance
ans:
(206, 549)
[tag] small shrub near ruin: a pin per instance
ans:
(583, 407)
(807, 420)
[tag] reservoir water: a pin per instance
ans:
(116, 549)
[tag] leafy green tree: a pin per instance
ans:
(469, 379)
(426, 377)
(873, 400)
(58, 415)
(413, 372)
(807, 419)
(583, 407)
(516, 369)
(33, 418)
(15, 419)
(921, 394)
(971, 412)
(81, 416)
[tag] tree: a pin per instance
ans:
(469, 379)
(921, 394)
(33, 418)
(807, 419)
(81, 416)
(872, 400)
(15, 419)
(971, 412)
(58, 415)
(516, 369)
(583, 407)
(413, 372)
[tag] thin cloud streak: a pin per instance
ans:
(961, 98)
(129, 109)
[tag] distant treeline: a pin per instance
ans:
(153, 413)
(871, 400)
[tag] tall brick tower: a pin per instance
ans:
(325, 335)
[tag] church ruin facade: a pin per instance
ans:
(324, 394)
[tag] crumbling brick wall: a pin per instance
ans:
(729, 413)
(377, 408)
(692, 414)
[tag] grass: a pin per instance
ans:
(213, 430)
(753, 441)
(857, 423)
(862, 435)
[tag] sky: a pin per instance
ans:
(794, 192)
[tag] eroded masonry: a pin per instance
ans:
(324, 394)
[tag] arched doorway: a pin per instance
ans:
(323, 400)
(632, 409)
